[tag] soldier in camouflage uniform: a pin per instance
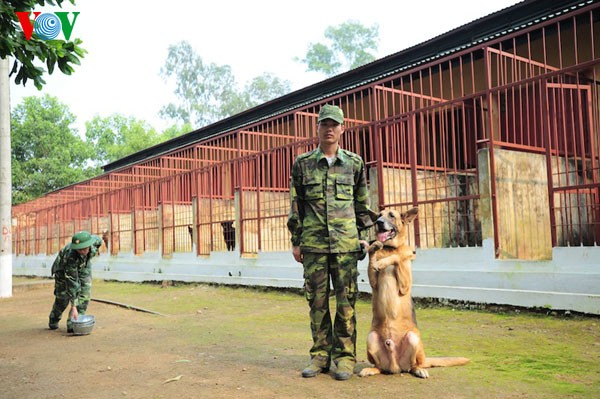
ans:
(72, 272)
(328, 222)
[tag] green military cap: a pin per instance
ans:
(81, 240)
(331, 112)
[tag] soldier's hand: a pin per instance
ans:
(364, 244)
(73, 314)
(297, 252)
(364, 248)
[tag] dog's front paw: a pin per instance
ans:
(377, 266)
(375, 246)
(369, 371)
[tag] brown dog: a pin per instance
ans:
(394, 343)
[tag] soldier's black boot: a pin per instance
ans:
(317, 365)
(345, 370)
(52, 325)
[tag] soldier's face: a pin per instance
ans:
(83, 251)
(329, 131)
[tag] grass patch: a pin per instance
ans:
(513, 352)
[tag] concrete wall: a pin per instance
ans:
(570, 281)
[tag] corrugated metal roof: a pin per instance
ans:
(500, 23)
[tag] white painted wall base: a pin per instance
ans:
(6, 271)
(570, 281)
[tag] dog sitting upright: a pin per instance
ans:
(394, 342)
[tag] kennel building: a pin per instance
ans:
(491, 129)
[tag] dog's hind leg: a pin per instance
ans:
(412, 355)
(419, 372)
(374, 353)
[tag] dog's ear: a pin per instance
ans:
(410, 215)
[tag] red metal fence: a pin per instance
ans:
(425, 134)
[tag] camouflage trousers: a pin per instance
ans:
(61, 297)
(337, 342)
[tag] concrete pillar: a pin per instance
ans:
(5, 184)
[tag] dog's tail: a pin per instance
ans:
(444, 361)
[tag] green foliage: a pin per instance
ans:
(264, 88)
(207, 92)
(117, 136)
(175, 131)
(47, 154)
(51, 52)
(348, 48)
(199, 86)
(320, 58)
(260, 90)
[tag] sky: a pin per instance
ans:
(127, 44)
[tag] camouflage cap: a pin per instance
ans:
(81, 240)
(331, 112)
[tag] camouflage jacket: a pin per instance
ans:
(330, 204)
(74, 266)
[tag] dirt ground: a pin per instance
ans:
(208, 342)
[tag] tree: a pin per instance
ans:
(348, 48)
(13, 43)
(117, 136)
(208, 92)
(47, 154)
(261, 89)
(200, 87)
(175, 131)
(265, 87)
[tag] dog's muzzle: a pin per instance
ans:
(385, 230)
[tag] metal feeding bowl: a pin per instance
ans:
(83, 325)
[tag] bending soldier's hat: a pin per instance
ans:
(331, 112)
(81, 240)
